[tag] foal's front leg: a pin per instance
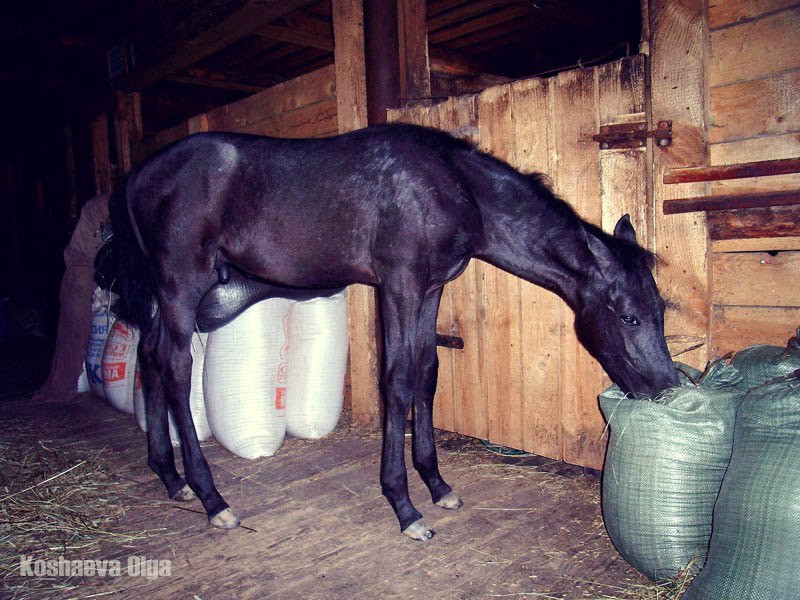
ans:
(400, 313)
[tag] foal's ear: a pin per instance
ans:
(624, 230)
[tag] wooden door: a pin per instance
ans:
(523, 380)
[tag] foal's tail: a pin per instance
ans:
(135, 283)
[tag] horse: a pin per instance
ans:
(215, 221)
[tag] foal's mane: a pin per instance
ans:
(631, 255)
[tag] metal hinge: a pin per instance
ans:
(633, 135)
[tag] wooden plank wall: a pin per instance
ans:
(298, 108)
(523, 380)
(754, 80)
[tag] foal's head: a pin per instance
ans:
(620, 314)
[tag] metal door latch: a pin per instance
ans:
(633, 135)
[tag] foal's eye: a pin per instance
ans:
(629, 320)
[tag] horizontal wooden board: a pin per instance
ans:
(755, 108)
(755, 48)
(312, 120)
(730, 202)
(736, 171)
(736, 327)
(770, 147)
(764, 244)
(775, 221)
(729, 12)
(756, 279)
(283, 98)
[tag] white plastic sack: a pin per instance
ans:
(319, 337)
(102, 321)
(119, 365)
(83, 380)
(196, 400)
(242, 362)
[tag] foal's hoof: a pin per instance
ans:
(224, 519)
(185, 494)
(450, 501)
(418, 531)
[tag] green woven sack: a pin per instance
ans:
(755, 544)
(664, 466)
(760, 364)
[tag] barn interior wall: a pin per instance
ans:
(754, 79)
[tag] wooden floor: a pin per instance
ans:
(317, 527)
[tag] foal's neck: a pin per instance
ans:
(536, 236)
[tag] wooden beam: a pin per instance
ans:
(182, 48)
(215, 82)
(453, 62)
(738, 171)
(730, 202)
(415, 75)
(381, 59)
(100, 154)
(351, 100)
(303, 29)
(771, 221)
(129, 131)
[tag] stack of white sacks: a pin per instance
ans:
(277, 368)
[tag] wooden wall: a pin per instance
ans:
(754, 82)
(522, 379)
(298, 108)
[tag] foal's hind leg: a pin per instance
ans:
(424, 447)
(175, 366)
(160, 457)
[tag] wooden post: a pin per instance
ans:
(351, 103)
(678, 55)
(381, 58)
(100, 157)
(415, 73)
(128, 124)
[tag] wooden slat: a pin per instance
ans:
(623, 186)
(765, 244)
(454, 365)
(736, 327)
(305, 90)
(577, 181)
(725, 13)
(763, 106)
(501, 291)
(756, 279)
(730, 202)
(737, 171)
(540, 318)
(773, 221)
(312, 120)
(748, 50)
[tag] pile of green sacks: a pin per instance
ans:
(706, 477)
